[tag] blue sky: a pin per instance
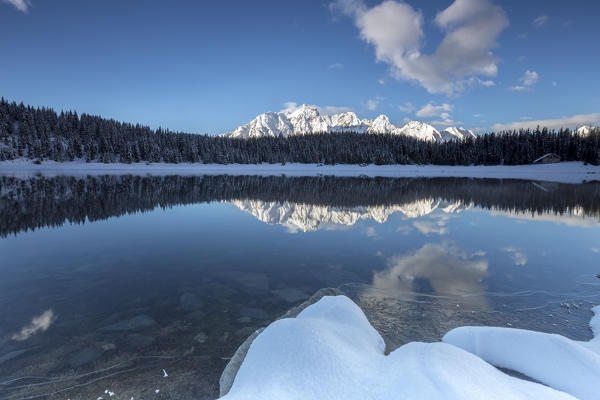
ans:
(208, 67)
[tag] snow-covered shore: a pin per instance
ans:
(565, 172)
(330, 351)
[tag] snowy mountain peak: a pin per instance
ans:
(346, 119)
(304, 111)
(308, 119)
(382, 125)
(421, 130)
(585, 130)
(453, 132)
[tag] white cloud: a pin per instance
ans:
(407, 107)
(555, 123)
(430, 110)
(370, 232)
(554, 83)
(525, 118)
(530, 78)
(372, 104)
(540, 21)
(336, 66)
(395, 29)
(40, 323)
(487, 83)
(567, 23)
(478, 115)
(21, 5)
(445, 122)
(516, 255)
(334, 109)
(518, 88)
(380, 81)
(520, 58)
(595, 249)
(290, 106)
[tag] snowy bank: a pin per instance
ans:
(330, 351)
(564, 364)
(566, 172)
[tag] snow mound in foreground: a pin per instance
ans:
(564, 364)
(330, 351)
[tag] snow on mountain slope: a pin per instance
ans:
(585, 130)
(382, 125)
(307, 217)
(308, 120)
(267, 124)
(422, 131)
(453, 132)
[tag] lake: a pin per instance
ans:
(112, 282)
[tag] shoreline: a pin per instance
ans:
(563, 172)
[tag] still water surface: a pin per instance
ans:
(106, 281)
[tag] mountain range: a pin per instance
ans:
(309, 217)
(309, 120)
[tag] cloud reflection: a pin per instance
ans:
(428, 227)
(516, 255)
(447, 270)
(40, 323)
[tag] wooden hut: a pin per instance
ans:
(549, 158)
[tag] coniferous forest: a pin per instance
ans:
(41, 134)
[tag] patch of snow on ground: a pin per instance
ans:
(565, 172)
(330, 351)
(564, 364)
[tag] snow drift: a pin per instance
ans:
(564, 364)
(330, 351)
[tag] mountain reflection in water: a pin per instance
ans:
(300, 204)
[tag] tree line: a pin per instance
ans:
(42, 134)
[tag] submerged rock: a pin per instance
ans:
(245, 331)
(138, 341)
(290, 295)
(230, 371)
(255, 313)
(137, 323)
(83, 357)
(250, 281)
(196, 315)
(201, 337)
(190, 302)
(108, 347)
